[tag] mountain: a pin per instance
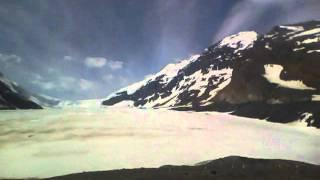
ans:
(232, 167)
(12, 96)
(273, 76)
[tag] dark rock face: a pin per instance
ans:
(14, 97)
(283, 47)
(248, 74)
(228, 168)
(251, 94)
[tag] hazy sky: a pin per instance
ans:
(80, 49)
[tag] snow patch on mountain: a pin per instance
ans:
(267, 46)
(240, 41)
(293, 28)
(169, 71)
(135, 86)
(299, 49)
(10, 84)
(313, 51)
(272, 74)
(303, 122)
(312, 40)
(316, 98)
(197, 81)
(124, 104)
(306, 33)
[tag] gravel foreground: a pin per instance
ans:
(232, 167)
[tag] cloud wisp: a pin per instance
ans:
(115, 65)
(86, 84)
(68, 58)
(10, 59)
(60, 83)
(95, 62)
(246, 14)
(99, 62)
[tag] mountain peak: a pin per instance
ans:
(240, 41)
(245, 73)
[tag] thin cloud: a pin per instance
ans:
(115, 65)
(99, 62)
(60, 83)
(68, 58)
(247, 13)
(10, 59)
(108, 77)
(123, 81)
(44, 84)
(95, 62)
(86, 84)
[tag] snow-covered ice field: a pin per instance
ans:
(50, 142)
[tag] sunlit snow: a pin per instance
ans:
(42, 143)
(240, 41)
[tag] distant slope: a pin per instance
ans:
(230, 168)
(12, 96)
(274, 76)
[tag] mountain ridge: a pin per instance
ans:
(232, 167)
(12, 96)
(249, 74)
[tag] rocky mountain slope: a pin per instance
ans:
(12, 96)
(232, 167)
(273, 76)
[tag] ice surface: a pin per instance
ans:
(42, 143)
(90, 103)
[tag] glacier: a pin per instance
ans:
(51, 142)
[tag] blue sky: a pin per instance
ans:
(80, 49)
